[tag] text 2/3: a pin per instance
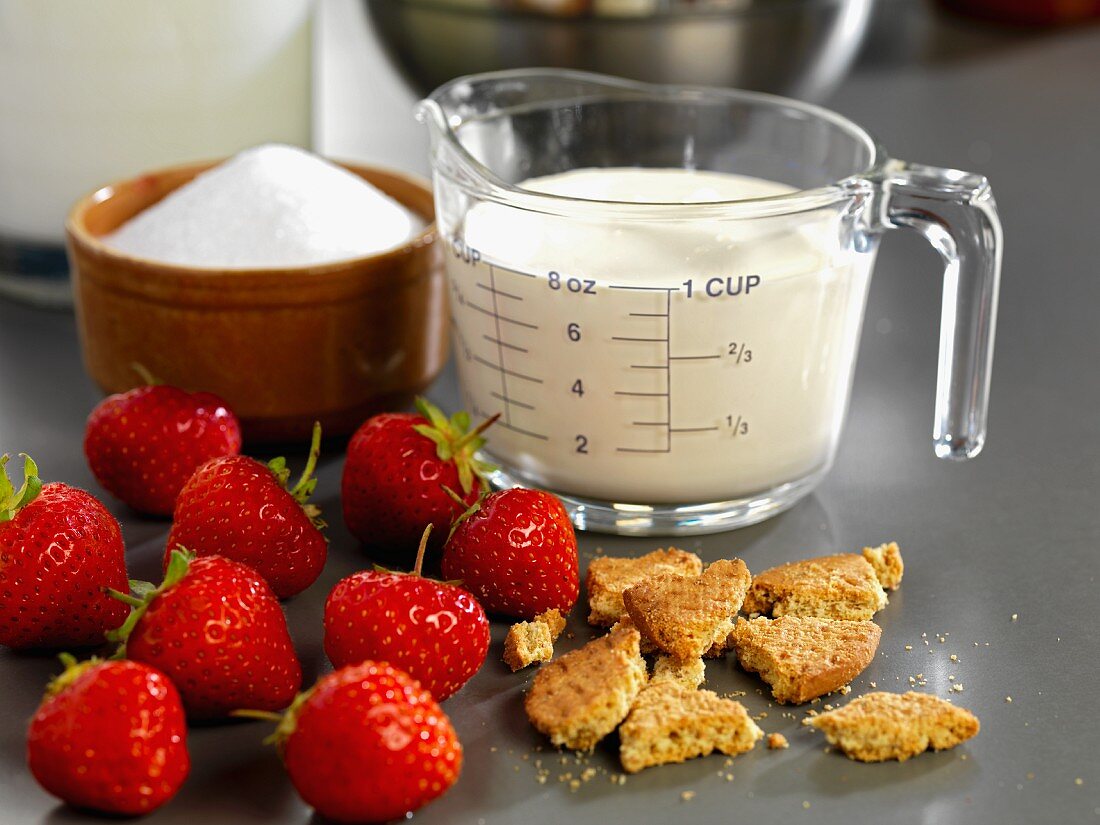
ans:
(580, 286)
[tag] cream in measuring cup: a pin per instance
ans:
(660, 290)
(670, 379)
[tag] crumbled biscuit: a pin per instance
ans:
(582, 696)
(673, 723)
(554, 620)
(609, 576)
(527, 643)
(832, 587)
(690, 673)
(686, 617)
(776, 741)
(805, 657)
(881, 726)
(530, 642)
(647, 647)
(886, 559)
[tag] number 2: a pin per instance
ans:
(582, 444)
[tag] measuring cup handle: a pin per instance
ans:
(956, 212)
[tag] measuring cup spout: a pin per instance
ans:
(431, 115)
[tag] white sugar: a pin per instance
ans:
(270, 206)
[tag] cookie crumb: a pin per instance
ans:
(1078, 781)
(957, 687)
(687, 796)
(777, 741)
(1015, 616)
(908, 647)
(954, 657)
(806, 803)
(1008, 699)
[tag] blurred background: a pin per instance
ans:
(101, 90)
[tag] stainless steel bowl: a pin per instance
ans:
(800, 48)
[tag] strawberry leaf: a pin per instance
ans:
(73, 671)
(279, 468)
(460, 421)
(307, 482)
(435, 415)
(12, 500)
(455, 442)
(442, 441)
(144, 593)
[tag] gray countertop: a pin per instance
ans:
(1002, 553)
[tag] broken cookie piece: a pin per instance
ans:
(843, 586)
(881, 726)
(647, 646)
(886, 559)
(673, 723)
(686, 617)
(529, 642)
(609, 576)
(582, 696)
(805, 657)
(690, 673)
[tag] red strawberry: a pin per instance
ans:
(110, 736)
(397, 468)
(368, 744)
(517, 552)
(241, 509)
(434, 630)
(59, 548)
(216, 629)
(144, 444)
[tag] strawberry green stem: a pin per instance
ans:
(477, 431)
(144, 374)
(125, 598)
(178, 564)
(12, 500)
(422, 549)
(306, 484)
(262, 715)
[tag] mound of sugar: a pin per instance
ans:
(269, 206)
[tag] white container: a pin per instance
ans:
(95, 91)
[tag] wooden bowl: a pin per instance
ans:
(284, 347)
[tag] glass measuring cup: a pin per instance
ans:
(672, 367)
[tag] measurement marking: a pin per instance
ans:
(692, 429)
(639, 450)
(647, 288)
(513, 401)
(648, 315)
(512, 373)
(516, 271)
(501, 343)
(649, 366)
(496, 291)
(642, 394)
(624, 338)
(504, 318)
(692, 357)
(652, 424)
(737, 427)
(668, 374)
(516, 429)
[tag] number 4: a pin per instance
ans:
(578, 388)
